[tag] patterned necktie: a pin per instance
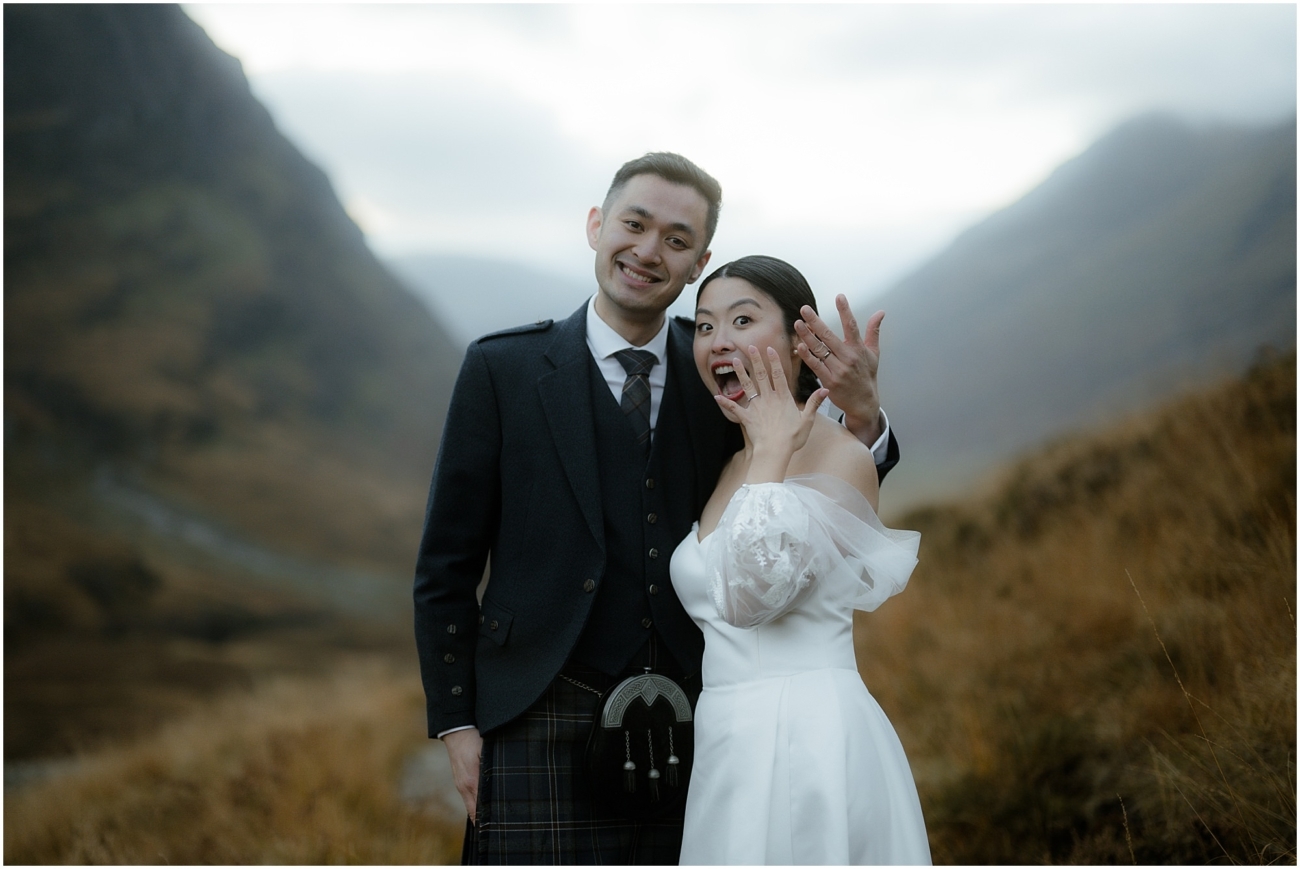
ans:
(636, 390)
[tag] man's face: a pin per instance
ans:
(649, 244)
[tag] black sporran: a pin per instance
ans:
(641, 747)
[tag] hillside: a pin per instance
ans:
(475, 296)
(1161, 258)
(1094, 663)
(221, 411)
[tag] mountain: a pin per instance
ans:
(1162, 257)
(221, 411)
(504, 294)
(179, 279)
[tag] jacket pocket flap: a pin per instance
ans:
(494, 622)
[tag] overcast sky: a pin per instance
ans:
(852, 140)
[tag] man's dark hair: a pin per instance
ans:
(675, 169)
(783, 284)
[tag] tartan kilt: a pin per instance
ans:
(534, 797)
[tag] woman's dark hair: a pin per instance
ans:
(783, 284)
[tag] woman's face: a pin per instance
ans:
(731, 315)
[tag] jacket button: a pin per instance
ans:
(652, 518)
(650, 482)
(646, 623)
(450, 658)
(589, 586)
(456, 691)
(654, 589)
(653, 553)
(451, 629)
(492, 625)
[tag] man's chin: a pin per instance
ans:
(653, 300)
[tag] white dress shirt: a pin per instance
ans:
(604, 342)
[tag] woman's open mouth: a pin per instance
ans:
(728, 383)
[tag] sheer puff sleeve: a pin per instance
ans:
(775, 540)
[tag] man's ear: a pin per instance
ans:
(699, 267)
(595, 219)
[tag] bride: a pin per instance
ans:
(794, 760)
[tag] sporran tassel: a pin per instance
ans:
(673, 762)
(629, 768)
(653, 775)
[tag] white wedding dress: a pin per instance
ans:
(794, 760)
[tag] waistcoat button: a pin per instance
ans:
(654, 589)
(456, 691)
(652, 518)
(654, 553)
(650, 482)
(449, 658)
(646, 623)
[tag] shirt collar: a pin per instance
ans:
(605, 342)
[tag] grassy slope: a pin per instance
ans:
(1040, 699)
(1036, 666)
(297, 771)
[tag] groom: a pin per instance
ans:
(575, 456)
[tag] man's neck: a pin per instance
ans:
(635, 332)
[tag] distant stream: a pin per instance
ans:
(356, 592)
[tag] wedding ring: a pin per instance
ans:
(825, 354)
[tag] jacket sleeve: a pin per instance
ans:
(459, 526)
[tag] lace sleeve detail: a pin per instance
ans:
(775, 540)
(759, 562)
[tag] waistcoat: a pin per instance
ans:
(635, 597)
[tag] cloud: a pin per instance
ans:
(836, 129)
(434, 152)
(1233, 60)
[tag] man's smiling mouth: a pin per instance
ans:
(638, 276)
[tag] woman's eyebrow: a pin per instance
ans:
(735, 304)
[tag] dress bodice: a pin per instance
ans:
(815, 635)
(774, 586)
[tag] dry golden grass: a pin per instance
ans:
(294, 771)
(1095, 661)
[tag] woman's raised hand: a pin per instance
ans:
(775, 427)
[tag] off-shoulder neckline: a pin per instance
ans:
(840, 487)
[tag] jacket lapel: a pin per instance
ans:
(566, 400)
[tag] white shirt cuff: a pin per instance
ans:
(454, 729)
(880, 449)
